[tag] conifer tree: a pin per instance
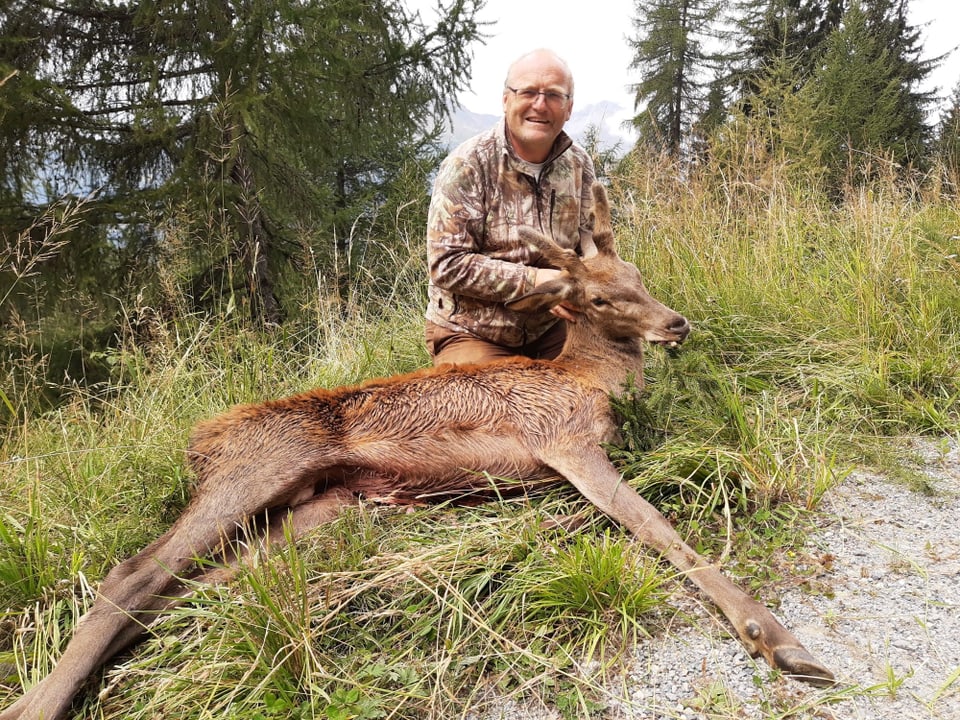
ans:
(784, 40)
(948, 139)
(863, 98)
(670, 53)
(791, 31)
(266, 114)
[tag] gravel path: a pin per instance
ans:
(885, 617)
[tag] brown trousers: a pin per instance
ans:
(451, 347)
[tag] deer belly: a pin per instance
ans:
(425, 470)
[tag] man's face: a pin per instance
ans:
(534, 123)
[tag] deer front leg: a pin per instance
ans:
(594, 476)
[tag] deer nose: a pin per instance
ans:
(680, 327)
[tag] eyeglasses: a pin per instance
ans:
(552, 97)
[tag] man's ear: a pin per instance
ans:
(542, 298)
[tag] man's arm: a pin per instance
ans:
(455, 226)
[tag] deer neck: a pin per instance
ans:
(603, 363)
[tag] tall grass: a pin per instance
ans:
(853, 308)
(820, 328)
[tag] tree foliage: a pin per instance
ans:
(862, 98)
(792, 31)
(265, 115)
(827, 85)
(948, 138)
(670, 53)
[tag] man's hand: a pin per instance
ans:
(545, 275)
(565, 312)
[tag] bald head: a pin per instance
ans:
(539, 62)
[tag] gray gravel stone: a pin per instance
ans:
(888, 625)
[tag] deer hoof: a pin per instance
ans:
(801, 665)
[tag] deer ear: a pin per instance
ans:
(602, 230)
(554, 255)
(542, 298)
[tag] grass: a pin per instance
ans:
(821, 331)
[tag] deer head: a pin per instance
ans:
(605, 290)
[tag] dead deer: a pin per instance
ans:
(443, 432)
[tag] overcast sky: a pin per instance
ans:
(591, 37)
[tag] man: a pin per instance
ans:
(523, 172)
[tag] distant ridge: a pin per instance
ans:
(607, 116)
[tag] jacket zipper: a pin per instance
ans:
(538, 195)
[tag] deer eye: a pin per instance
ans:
(599, 302)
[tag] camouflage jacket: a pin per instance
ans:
(482, 195)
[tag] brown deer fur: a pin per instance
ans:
(438, 433)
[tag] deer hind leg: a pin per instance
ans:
(591, 473)
(285, 524)
(134, 591)
(131, 594)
